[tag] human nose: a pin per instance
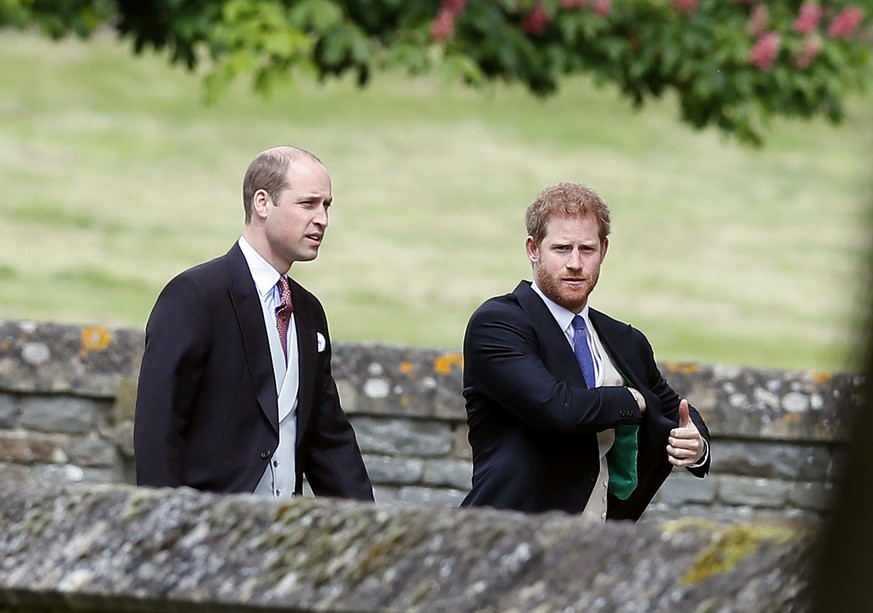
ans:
(574, 262)
(321, 217)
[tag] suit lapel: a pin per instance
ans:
(616, 341)
(555, 351)
(250, 318)
(306, 351)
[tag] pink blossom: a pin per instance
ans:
(537, 20)
(811, 48)
(602, 7)
(444, 25)
(685, 6)
(759, 20)
(845, 23)
(807, 18)
(765, 51)
(455, 6)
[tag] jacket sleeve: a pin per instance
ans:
(333, 463)
(669, 400)
(502, 362)
(177, 342)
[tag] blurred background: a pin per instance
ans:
(116, 176)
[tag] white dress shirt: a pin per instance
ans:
(280, 476)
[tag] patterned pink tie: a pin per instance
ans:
(283, 313)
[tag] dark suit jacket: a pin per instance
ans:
(207, 408)
(533, 421)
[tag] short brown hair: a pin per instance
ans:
(269, 172)
(567, 199)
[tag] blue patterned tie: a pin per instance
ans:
(583, 353)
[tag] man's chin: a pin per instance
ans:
(572, 301)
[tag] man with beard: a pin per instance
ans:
(566, 406)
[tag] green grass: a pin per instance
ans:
(115, 177)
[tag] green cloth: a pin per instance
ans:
(622, 462)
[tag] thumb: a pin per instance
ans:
(684, 417)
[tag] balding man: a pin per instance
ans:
(235, 389)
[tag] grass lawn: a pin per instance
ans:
(115, 177)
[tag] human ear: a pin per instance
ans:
(261, 202)
(532, 249)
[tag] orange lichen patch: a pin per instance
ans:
(444, 364)
(685, 369)
(406, 367)
(822, 377)
(95, 338)
(792, 418)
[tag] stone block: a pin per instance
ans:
(92, 450)
(772, 459)
(430, 497)
(65, 474)
(59, 414)
(762, 403)
(659, 512)
(756, 493)
(817, 497)
(120, 426)
(386, 494)
(681, 488)
(393, 470)
(33, 447)
(448, 473)
(14, 473)
(378, 379)
(391, 436)
(462, 449)
(8, 411)
(124, 409)
(45, 357)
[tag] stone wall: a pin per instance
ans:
(116, 548)
(67, 393)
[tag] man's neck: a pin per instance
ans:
(258, 242)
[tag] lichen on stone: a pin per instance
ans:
(729, 545)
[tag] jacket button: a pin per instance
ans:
(265, 454)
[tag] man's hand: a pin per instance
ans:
(641, 401)
(685, 446)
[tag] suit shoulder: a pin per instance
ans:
(606, 324)
(497, 306)
(307, 302)
(300, 293)
(203, 275)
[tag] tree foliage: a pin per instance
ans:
(732, 64)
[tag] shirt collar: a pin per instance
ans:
(563, 316)
(264, 275)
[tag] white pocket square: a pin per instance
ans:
(321, 342)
